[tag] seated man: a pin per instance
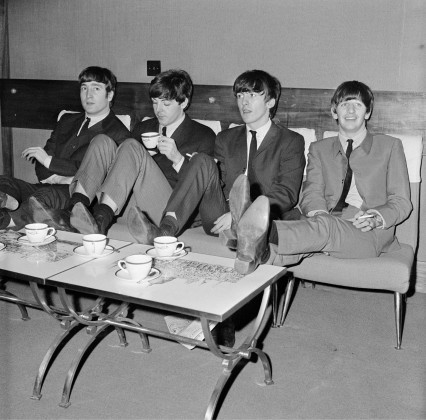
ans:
(356, 191)
(58, 161)
(112, 173)
(271, 155)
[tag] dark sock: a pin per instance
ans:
(4, 219)
(78, 198)
(105, 211)
(169, 226)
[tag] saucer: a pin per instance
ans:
(80, 250)
(153, 274)
(152, 252)
(24, 241)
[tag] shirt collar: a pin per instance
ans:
(358, 138)
(171, 128)
(260, 132)
(97, 118)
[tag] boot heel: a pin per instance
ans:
(228, 239)
(244, 267)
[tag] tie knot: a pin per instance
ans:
(349, 148)
(253, 133)
(164, 131)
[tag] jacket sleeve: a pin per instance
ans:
(398, 205)
(313, 192)
(284, 192)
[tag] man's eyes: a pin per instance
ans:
(250, 94)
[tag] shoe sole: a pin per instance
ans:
(255, 223)
(82, 220)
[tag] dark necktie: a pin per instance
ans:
(253, 149)
(164, 131)
(84, 127)
(254, 187)
(347, 183)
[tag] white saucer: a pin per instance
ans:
(80, 250)
(24, 241)
(2, 246)
(153, 274)
(152, 252)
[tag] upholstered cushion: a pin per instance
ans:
(309, 137)
(391, 271)
(125, 119)
(214, 125)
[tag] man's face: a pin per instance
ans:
(94, 98)
(351, 115)
(254, 108)
(168, 110)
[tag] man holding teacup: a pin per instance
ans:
(111, 174)
(58, 161)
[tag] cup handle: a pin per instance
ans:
(50, 232)
(179, 247)
(122, 265)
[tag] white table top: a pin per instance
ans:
(196, 284)
(36, 263)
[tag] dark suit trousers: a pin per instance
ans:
(198, 191)
(54, 196)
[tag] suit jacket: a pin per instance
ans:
(189, 137)
(381, 177)
(68, 150)
(278, 165)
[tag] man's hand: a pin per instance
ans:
(222, 223)
(37, 153)
(167, 146)
(366, 221)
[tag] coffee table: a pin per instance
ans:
(201, 286)
(36, 263)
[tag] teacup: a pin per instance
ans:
(94, 243)
(38, 232)
(166, 246)
(150, 140)
(136, 266)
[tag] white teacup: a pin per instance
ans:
(94, 243)
(150, 140)
(136, 266)
(39, 232)
(166, 246)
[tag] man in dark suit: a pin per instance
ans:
(275, 169)
(274, 162)
(355, 193)
(111, 174)
(59, 160)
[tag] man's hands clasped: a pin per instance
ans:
(367, 221)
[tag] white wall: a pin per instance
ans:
(305, 43)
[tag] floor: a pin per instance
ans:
(333, 359)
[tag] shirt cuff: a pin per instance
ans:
(47, 161)
(178, 165)
(380, 219)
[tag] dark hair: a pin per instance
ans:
(259, 81)
(353, 90)
(100, 75)
(172, 84)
